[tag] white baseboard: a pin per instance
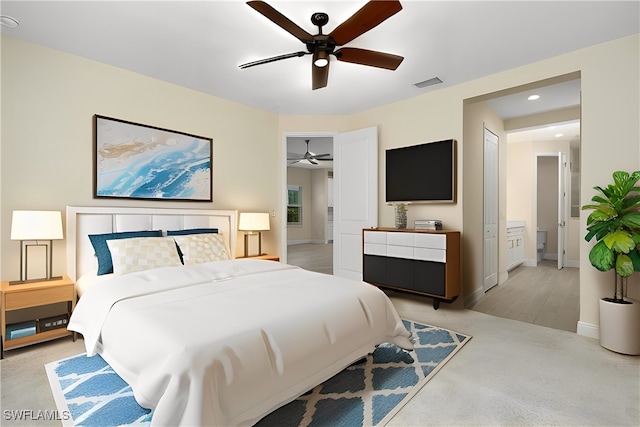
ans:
(302, 242)
(588, 330)
(502, 277)
(473, 298)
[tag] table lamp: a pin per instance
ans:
(253, 223)
(31, 228)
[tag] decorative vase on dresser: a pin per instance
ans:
(401, 216)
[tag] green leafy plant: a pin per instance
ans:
(615, 223)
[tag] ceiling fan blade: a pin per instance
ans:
(369, 16)
(281, 20)
(316, 156)
(273, 59)
(319, 76)
(325, 160)
(369, 57)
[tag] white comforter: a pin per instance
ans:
(226, 343)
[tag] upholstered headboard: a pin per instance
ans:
(82, 221)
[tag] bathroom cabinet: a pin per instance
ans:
(515, 245)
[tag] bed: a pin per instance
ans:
(215, 342)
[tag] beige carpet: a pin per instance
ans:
(511, 374)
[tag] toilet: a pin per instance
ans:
(541, 241)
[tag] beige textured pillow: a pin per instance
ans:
(142, 253)
(201, 248)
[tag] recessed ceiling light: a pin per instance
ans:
(558, 135)
(8, 21)
(533, 97)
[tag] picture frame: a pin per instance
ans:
(136, 161)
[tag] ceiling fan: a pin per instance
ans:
(322, 45)
(308, 156)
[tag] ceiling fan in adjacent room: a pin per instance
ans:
(308, 156)
(321, 46)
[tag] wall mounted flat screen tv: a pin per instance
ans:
(422, 173)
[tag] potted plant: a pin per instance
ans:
(615, 224)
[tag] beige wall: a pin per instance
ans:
(319, 205)
(48, 98)
(314, 205)
(301, 177)
(48, 101)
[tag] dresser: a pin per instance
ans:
(425, 262)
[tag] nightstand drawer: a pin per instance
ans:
(36, 297)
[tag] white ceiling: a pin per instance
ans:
(199, 45)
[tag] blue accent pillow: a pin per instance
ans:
(189, 231)
(192, 231)
(99, 242)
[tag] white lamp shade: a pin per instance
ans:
(254, 221)
(36, 225)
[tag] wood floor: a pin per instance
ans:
(312, 256)
(541, 295)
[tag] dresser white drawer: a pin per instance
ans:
(429, 254)
(400, 251)
(379, 237)
(400, 239)
(375, 249)
(433, 241)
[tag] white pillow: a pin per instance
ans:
(142, 253)
(201, 248)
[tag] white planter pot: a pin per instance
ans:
(620, 326)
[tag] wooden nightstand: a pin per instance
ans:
(36, 294)
(265, 256)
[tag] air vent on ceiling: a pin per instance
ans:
(430, 82)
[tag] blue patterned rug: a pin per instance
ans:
(368, 393)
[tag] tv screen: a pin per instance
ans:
(422, 173)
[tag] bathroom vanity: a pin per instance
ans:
(515, 244)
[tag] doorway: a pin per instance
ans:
(354, 196)
(539, 292)
(308, 224)
(551, 208)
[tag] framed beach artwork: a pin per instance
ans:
(137, 161)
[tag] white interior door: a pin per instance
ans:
(563, 176)
(490, 220)
(355, 198)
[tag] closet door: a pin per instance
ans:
(490, 219)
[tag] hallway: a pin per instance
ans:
(541, 295)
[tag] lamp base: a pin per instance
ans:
(246, 243)
(23, 282)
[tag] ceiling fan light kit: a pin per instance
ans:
(320, 59)
(308, 157)
(322, 45)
